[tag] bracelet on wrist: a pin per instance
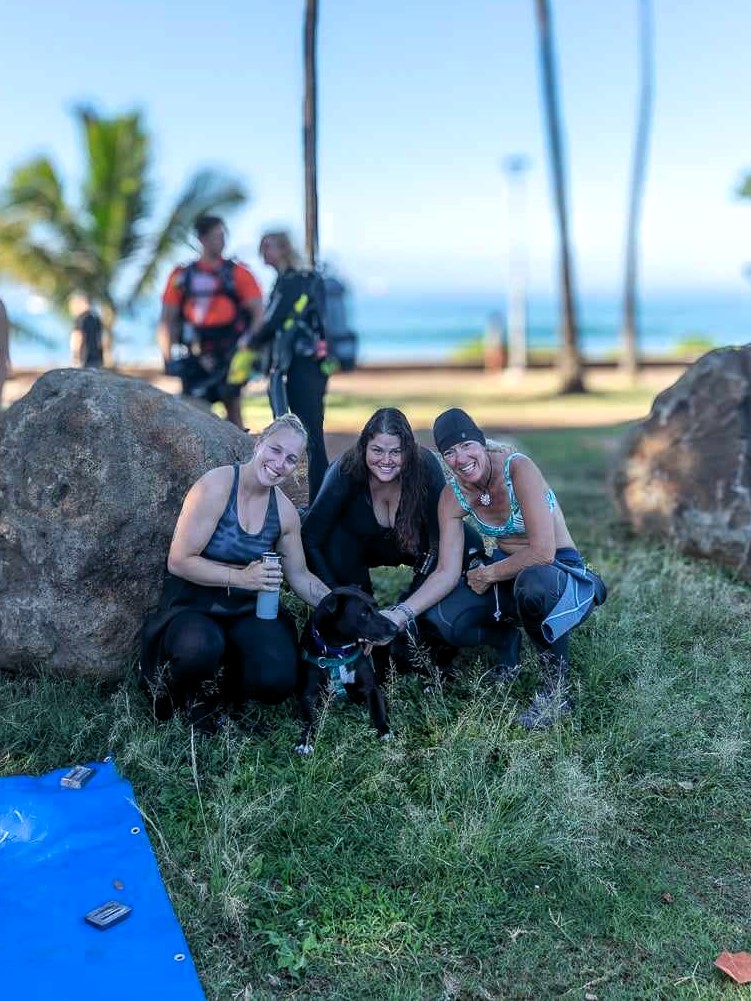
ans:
(409, 615)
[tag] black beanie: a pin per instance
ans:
(453, 426)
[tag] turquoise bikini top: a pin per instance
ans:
(515, 521)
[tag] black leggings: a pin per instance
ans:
(464, 618)
(230, 661)
(306, 388)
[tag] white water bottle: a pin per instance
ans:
(267, 602)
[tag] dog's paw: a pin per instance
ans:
(304, 750)
(386, 736)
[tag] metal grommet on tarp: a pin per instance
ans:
(61, 853)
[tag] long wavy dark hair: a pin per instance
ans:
(389, 420)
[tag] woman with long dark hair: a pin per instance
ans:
(378, 506)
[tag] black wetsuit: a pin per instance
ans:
(90, 327)
(296, 369)
(343, 539)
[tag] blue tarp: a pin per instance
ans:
(64, 852)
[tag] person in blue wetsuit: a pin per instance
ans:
(536, 581)
(204, 646)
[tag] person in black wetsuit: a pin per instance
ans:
(87, 336)
(293, 336)
(204, 646)
(378, 506)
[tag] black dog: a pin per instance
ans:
(331, 654)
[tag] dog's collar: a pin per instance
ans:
(334, 652)
(337, 660)
(336, 668)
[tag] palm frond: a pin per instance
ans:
(207, 191)
(53, 273)
(36, 191)
(34, 197)
(117, 194)
(56, 247)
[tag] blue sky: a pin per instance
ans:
(419, 103)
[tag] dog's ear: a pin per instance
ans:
(329, 604)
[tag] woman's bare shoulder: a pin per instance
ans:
(214, 484)
(288, 514)
(448, 503)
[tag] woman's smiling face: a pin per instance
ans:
(383, 457)
(468, 460)
(278, 456)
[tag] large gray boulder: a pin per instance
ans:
(684, 473)
(93, 471)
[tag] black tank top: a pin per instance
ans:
(230, 543)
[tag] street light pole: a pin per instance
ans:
(515, 168)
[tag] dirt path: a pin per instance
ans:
(495, 399)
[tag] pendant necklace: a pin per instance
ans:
(485, 499)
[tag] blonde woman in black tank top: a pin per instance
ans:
(205, 646)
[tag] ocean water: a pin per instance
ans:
(432, 327)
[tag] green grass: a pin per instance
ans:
(491, 400)
(466, 859)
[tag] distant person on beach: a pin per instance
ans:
(535, 581)
(205, 645)
(210, 308)
(86, 348)
(293, 339)
(378, 507)
(5, 369)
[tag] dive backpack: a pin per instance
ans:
(226, 287)
(316, 325)
(340, 339)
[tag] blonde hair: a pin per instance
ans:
(287, 422)
(498, 446)
(290, 257)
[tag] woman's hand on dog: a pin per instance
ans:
(396, 616)
(260, 576)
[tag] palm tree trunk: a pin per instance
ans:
(570, 363)
(310, 132)
(630, 328)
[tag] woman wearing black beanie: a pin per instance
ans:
(536, 581)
